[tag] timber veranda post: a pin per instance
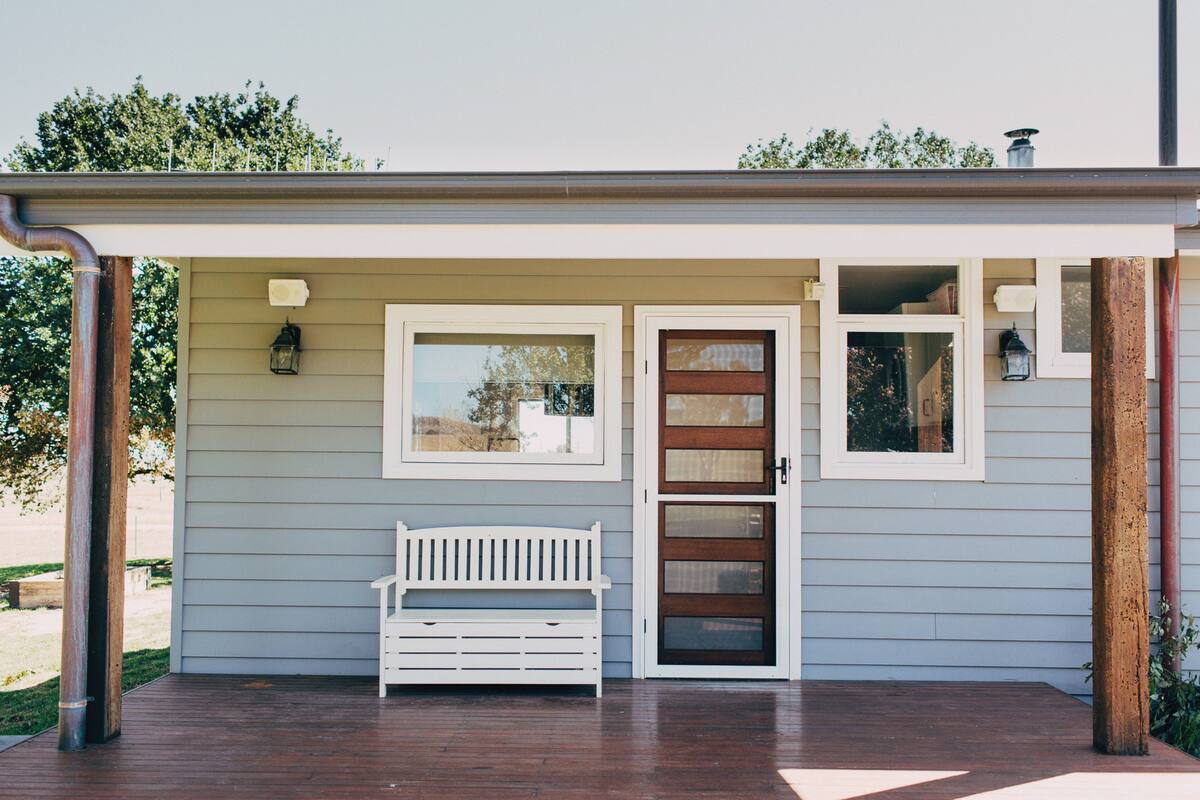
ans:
(110, 477)
(1120, 626)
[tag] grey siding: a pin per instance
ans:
(287, 520)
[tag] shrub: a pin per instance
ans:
(1174, 695)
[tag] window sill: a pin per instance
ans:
(421, 470)
(834, 470)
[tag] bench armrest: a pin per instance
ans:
(384, 582)
(605, 582)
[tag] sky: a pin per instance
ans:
(616, 84)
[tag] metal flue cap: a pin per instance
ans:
(1021, 135)
(1020, 152)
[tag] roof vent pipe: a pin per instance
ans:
(1020, 152)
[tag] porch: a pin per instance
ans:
(200, 736)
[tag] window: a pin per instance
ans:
(1064, 318)
(902, 369)
(502, 392)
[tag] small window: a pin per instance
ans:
(902, 289)
(502, 392)
(901, 370)
(1064, 318)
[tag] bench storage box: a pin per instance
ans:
(492, 645)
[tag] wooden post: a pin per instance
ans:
(1120, 635)
(110, 478)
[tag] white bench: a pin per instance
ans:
(491, 645)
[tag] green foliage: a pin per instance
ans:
(141, 132)
(130, 132)
(1174, 696)
(35, 324)
(883, 149)
(24, 712)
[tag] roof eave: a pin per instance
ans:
(579, 186)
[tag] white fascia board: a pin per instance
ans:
(627, 241)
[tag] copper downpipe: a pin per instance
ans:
(72, 697)
(1168, 439)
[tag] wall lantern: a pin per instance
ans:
(285, 351)
(1014, 356)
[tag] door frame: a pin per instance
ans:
(785, 321)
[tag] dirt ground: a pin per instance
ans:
(38, 538)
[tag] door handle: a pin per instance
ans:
(781, 468)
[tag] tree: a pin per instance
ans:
(883, 149)
(139, 132)
(124, 132)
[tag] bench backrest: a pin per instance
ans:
(491, 557)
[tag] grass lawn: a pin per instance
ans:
(32, 638)
(35, 708)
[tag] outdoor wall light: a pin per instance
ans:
(285, 351)
(1014, 356)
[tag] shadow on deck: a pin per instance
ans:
(202, 736)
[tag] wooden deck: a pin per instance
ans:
(224, 736)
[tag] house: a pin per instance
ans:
(780, 393)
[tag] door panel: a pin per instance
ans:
(716, 551)
(727, 369)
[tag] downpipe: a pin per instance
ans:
(1168, 441)
(85, 294)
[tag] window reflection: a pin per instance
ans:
(709, 521)
(510, 393)
(715, 410)
(899, 392)
(714, 355)
(1076, 309)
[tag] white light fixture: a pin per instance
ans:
(291, 292)
(814, 290)
(1015, 299)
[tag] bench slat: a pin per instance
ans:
(575, 661)
(506, 676)
(495, 644)
(531, 629)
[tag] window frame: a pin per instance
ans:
(1052, 362)
(966, 462)
(403, 322)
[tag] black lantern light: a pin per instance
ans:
(1014, 357)
(285, 351)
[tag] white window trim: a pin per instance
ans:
(404, 321)
(1052, 362)
(966, 463)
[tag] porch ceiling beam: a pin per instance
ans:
(1120, 637)
(110, 478)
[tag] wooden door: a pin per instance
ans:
(717, 475)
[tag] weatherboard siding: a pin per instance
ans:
(287, 519)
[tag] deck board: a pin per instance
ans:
(196, 736)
